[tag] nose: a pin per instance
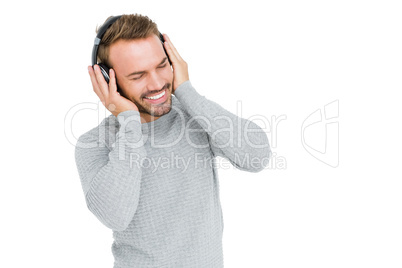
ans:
(155, 82)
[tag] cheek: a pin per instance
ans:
(133, 89)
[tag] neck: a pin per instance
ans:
(146, 118)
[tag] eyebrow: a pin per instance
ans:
(141, 72)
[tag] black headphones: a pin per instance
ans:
(105, 69)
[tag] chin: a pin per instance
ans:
(159, 110)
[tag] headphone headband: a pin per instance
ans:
(99, 36)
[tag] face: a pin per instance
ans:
(144, 75)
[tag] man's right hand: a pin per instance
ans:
(108, 94)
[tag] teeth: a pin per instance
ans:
(157, 96)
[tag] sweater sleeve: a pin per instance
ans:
(239, 140)
(110, 182)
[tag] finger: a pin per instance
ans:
(169, 51)
(172, 57)
(176, 53)
(172, 47)
(112, 81)
(95, 83)
(102, 84)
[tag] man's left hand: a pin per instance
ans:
(180, 68)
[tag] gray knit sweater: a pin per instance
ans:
(155, 184)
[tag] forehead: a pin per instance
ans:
(127, 56)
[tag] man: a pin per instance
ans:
(148, 171)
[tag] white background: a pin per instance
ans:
(280, 58)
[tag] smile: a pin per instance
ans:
(157, 96)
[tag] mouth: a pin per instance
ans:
(156, 98)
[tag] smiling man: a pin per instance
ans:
(144, 74)
(148, 171)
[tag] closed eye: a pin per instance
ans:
(136, 78)
(161, 65)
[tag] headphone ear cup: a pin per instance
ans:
(105, 71)
(163, 41)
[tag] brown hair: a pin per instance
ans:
(127, 27)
